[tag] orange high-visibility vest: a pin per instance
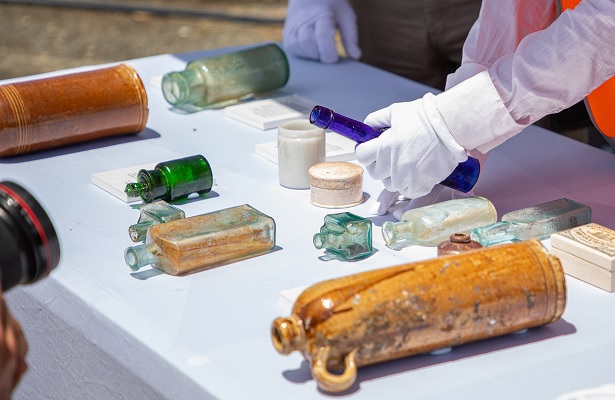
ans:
(600, 103)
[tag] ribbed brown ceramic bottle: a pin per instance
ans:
(362, 319)
(51, 112)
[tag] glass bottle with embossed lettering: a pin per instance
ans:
(536, 222)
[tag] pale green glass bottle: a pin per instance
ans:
(430, 225)
(204, 241)
(346, 235)
(154, 213)
(537, 222)
(221, 80)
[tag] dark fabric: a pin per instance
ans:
(419, 39)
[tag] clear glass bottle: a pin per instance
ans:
(463, 178)
(204, 241)
(430, 225)
(345, 234)
(154, 213)
(221, 80)
(537, 222)
(172, 180)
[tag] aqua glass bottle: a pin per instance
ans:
(430, 225)
(154, 213)
(220, 80)
(345, 234)
(537, 222)
(463, 178)
(172, 180)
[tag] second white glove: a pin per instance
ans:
(310, 27)
(415, 153)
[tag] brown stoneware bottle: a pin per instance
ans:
(51, 112)
(345, 323)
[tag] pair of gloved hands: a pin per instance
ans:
(417, 151)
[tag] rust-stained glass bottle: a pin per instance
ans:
(375, 316)
(204, 241)
(172, 180)
(51, 112)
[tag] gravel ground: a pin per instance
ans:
(40, 38)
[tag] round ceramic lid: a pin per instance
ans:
(336, 175)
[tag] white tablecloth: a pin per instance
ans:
(98, 331)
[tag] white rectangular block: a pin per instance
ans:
(585, 271)
(587, 252)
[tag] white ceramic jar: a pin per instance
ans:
(300, 146)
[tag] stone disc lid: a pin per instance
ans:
(336, 184)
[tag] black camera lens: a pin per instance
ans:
(29, 246)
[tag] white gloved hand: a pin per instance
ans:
(310, 26)
(415, 153)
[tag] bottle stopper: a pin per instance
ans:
(457, 244)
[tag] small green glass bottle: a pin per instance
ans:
(172, 180)
(346, 235)
(221, 80)
(538, 222)
(154, 213)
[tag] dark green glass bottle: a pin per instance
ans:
(345, 234)
(172, 180)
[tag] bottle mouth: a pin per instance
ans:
(321, 117)
(175, 88)
(388, 232)
(287, 335)
(132, 259)
(318, 242)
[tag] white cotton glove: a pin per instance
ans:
(415, 153)
(310, 26)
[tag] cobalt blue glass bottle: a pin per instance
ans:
(463, 178)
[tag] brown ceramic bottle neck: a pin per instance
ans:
(287, 334)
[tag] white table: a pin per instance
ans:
(98, 331)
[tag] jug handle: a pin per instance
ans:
(328, 381)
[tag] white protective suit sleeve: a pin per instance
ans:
(550, 70)
(521, 71)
